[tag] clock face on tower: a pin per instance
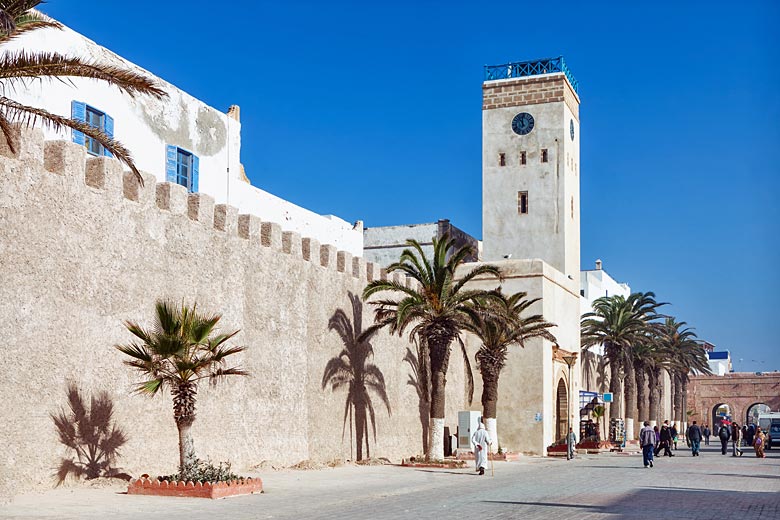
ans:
(523, 123)
(571, 128)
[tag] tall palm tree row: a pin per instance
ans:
(17, 67)
(499, 322)
(178, 351)
(685, 356)
(639, 347)
(618, 323)
(435, 312)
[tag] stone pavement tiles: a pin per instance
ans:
(590, 487)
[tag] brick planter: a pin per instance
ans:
(145, 486)
(505, 456)
(453, 464)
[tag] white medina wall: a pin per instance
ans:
(145, 126)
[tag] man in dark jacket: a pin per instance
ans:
(666, 441)
(673, 432)
(723, 435)
(647, 441)
(706, 433)
(694, 437)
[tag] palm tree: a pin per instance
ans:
(686, 355)
(180, 350)
(18, 17)
(617, 323)
(436, 311)
(352, 368)
(498, 322)
(598, 414)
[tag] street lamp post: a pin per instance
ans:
(570, 360)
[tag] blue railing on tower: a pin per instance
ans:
(530, 68)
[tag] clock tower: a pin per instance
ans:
(531, 164)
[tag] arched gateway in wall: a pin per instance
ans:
(740, 391)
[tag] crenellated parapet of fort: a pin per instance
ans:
(84, 247)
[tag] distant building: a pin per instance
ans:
(383, 245)
(720, 362)
(179, 139)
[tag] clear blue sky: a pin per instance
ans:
(372, 111)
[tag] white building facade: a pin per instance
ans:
(178, 139)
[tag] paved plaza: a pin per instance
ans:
(590, 487)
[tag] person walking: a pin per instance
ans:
(481, 440)
(657, 440)
(694, 438)
(673, 432)
(735, 435)
(723, 435)
(758, 443)
(706, 433)
(751, 432)
(666, 441)
(572, 443)
(647, 442)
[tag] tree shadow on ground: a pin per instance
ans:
(423, 394)
(91, 435)
(351, 368)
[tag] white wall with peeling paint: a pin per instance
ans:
(145, 125)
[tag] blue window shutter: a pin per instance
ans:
(195, 172)
(78, 111)
(170, 163)
(109, 130)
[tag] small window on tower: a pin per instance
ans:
(502, 159)
(572, 208)
(522, 202)
(522, 157)
(544, 154)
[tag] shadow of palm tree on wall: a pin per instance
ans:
(423, 394)
(92, 436)
(351, 368)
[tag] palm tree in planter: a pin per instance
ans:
(499, 323)
(436, 310)
(182, 348)
(598, 414)
(617, 323)
(18, 17)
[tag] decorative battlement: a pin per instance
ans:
(522, 69)
(105, 174)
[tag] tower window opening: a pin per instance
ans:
(502, 159)
(522, 157)
(544, 155)
(522, 202)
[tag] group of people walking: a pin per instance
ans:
(653, 440)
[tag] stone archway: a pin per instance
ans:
(716, 414)
(561, 409)
(752, 411)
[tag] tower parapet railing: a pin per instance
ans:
(522, 69)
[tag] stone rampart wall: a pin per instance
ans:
(83, 247)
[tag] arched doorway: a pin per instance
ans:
(751, 414)
(721, 413)
(562, 410)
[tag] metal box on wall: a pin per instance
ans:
(468, 422)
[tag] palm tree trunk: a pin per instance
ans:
(653, 395)
(630, 383)
(615, 386)
(678, 411)
(490, 401)
(184, 414)
(641, 395)
(439, 340)
(684, 392)
(436, 429)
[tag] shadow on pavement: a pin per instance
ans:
(663, 502)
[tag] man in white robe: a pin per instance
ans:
(481, 440)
